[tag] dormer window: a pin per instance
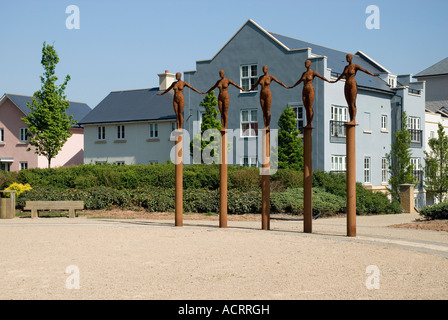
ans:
(392, 80)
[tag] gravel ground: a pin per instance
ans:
(152, 259)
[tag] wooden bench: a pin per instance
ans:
(71, 206)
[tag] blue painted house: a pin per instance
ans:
(381, 101)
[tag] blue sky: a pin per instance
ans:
(123, 45)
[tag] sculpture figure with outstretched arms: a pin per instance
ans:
(223, 97)
(178, 100)
(351, 88)
(308, 91)
(265, 94)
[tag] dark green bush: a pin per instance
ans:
(367, 202)
(152, 187)
(291, 201)
(6, 178)
(436, 212)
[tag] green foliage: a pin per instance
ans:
(290, 147)
(6, 178)
(48, 123)
(152, 187)
(367, 202)
(399, 159)
(436, 181)
(18, 188)
(291, 201)
(209, 121)
(436, 212)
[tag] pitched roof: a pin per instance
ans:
(439, 68)
(77, 109)
(132, 105)
(336, 60)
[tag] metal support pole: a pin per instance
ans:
(179, 182)
(308, 180)
(223, 182)
(351, 180)
(266, 181)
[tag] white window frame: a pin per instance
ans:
(154, 130)
(2, 135)
(247, 161)
(249, 78)
(23, 134)
(367, 170)
(339, 113)
(392, 80)
(121, 132)
(101, 133)
(120, 163)
(384, 122)
(299, 115)
(252, 124)
(417, 164)
(414, 123)
(384, 170)
(338, 163)
(23, 165)
(5, 166)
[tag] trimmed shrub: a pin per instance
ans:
(436, 212)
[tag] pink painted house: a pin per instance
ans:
(14, 142)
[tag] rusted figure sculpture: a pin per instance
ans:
(178, 104)
(351, 91)
(223, 104)
(178, 100)
(308, 91)
(351, 88)
(265, 94)
(223, 97)
(308, 100)
(265, 102)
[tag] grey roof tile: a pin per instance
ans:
(439, 68)
(132, 105)
(77, 109)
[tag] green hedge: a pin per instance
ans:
(152, 187)
(436, 212)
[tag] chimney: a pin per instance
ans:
(165, 80)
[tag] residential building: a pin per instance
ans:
(131, 127)
(436, 79)
(14, 136)
(380, 103)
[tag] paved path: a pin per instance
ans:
(48, 258)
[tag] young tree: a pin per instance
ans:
(399, 159)
(209, 121)
(436, 182)
(290, 146)
(48, 123)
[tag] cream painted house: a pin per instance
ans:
(131, 127)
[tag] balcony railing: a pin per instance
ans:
(416, 138)
(414, 91)
(338, 131)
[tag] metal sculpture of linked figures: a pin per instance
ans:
(178, 104)
(308, 100)
(223, 97)
(308, 91)
(178, 100)
(265, 94)
(351, 88)
(351, 91)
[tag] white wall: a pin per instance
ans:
(136, 148)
